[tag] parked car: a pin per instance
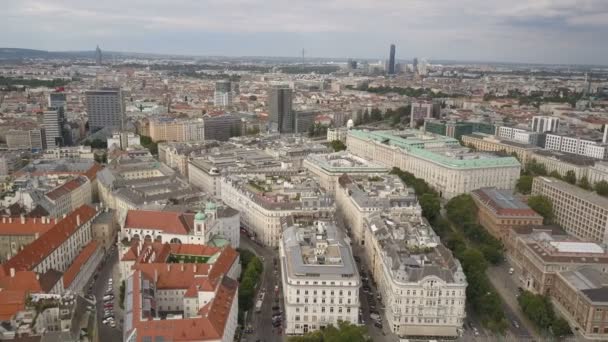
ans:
(375, 316)
(378, 324)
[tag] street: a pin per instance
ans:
(262, 322)
(108, 268)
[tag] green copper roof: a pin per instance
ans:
(210, 206)
(416, 146)
(200, 216)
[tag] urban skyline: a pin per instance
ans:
(520, 32)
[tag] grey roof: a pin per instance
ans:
(590, 281)
(503, 198)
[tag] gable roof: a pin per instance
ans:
(168, 222)
(70, 274)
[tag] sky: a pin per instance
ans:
(527, 31)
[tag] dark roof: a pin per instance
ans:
(597, 295)
(49, 279)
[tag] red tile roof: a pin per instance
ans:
(169, 222)
(14, 291)
(66, 188)
(35, 252)
(29, 226)
(70, 274)
(11, 302)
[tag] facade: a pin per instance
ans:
(18, 232)
(178, 155)
(53, 125)
(575, 145)
(422, 285)
(329, 167)
(422, 110)
(123, 140)
(303, 121)
(223, 94)
(73, 152)
(359, 196)
(69, 196)
(500, 210)
(580, 296)
(105, 228)
(598, 172)
(541, 252)
(519, 135)
(189, 301)
(337, 134)
(83, 268)
(319, 277)
(456, 129)
(221, 127)
(105, 108)
(563, 162)
(25, 139)
(281, 112)
(486, 142)
(58, 100)
(212, 226)
(51, 255)
(169, 129)
(263, 200)
(581, 213)
(542, 124)
(449, 168)
(391, 60)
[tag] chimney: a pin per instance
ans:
(3, 219)
(182, 267)
(55, 220)
(36, 236)
(37, 276)
(34, 220)
(10, 220)
(194, 268)
(168, 267)
(12, 272)
(78, 220)
(22, 219)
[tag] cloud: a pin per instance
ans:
(518, 30)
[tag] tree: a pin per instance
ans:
(570, 177)
(337, 145)
(584, 183)
(430, 206)
(602, 188)
(524, 184)
(560, 327)
(555, 174)
(543, 206)
(121, 295)
(536, 169)
(344, 332)
(461, 210)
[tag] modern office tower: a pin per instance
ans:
(391, 61)
(223, 93)
(221, 127)
(98, 56)
(281, 113)
(303, 120)
(542, 124)
(605, 136)
(422, 110)
(415, 65)
(53, 123)
(57, 100)
(105, 108)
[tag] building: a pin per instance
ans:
(456, 129)
(177, 154)
(84, 266)
(53, 121)
(69, 152)
(542, 124)
(212, 226)
(223, 94)
(263, 200)
(33, 139)
(319, 277)
(196, 300)
(490, 143)
(590, 148)
(358, 196)
(221, 127)
(445, 165)
(422, 110)
(541, 252)
(281, 112)
(580, 296)
(561, 162)
(422, 285)
(105, 108)
(391, 61)
(499, 211)
(170, 129)
(303, 120)
(582, 213)
(68, 197)
(598, 172)
(123, 140)
(98, 56)
(105, 229)
(520, 135)
(18, 232)
(329, 167)
(58, 101)
(53, 254)
(9, 162)
(334, 134)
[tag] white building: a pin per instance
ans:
(576, 145)
(542, 124)
(122, 140)
(67, 152)
(598, 172)
(319, 276)
(337, 134)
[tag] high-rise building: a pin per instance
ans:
(223, 93)
(281, 112)
(415, 65)
(57, 100)
(222, 127)
(98, 56)
(542, 124)
(391, 61)
(105, 108)
(53, 123)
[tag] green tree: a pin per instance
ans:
(253, 98)
(461, 210)
(524, 184)
(560, 327)
(602, 188)
(536, 169)
(344, 332)
(376, 115)
(337, 145)
(570, 177)
(543, 206)
(555, 174)
(121, 295)
(584, 183)
(430, 206)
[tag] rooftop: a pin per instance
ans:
(344, 162)
(386, 191)
(592, 283)
(503, 203)
(589, 196)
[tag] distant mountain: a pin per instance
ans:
(16, 54)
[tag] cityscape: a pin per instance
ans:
(171, 196)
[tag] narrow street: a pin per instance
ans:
(262, 322)
(108, 269)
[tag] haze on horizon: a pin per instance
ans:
(534, 31)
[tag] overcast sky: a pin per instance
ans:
(539, 31)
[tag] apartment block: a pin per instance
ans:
(486, 142)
